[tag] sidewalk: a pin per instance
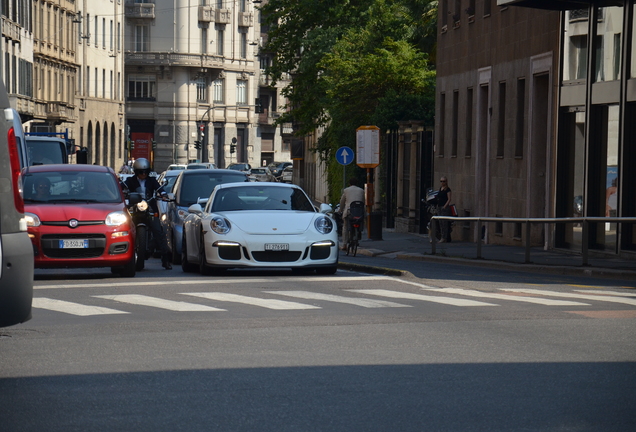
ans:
(416, 247)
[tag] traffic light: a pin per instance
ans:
(154, 144)
(132, 144)
(197, 145)
(232, 148)
(258, 107)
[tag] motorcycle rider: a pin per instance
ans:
(148, 186)
(349, 195)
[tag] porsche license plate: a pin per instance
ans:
(276, 246)
(74, 244)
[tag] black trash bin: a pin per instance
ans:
(375, 226)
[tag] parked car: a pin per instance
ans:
(259, 225)
(191, 187)
(277, 168)
(205, 165)
(167, 179)
(245, 167)
(262, 174)
(16, 257)
(287, 175)
(77, 217)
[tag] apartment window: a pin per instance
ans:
(219, 38)
(111, 95)
(104, 83)
(242, 5)
(104, 33)
(204, 40)
(470, 11)
(96, 31)
(501, 125)
(455, 123)
(219, 4)
(469, 122)
(487, 7)
(243, 48)
(96, 82)
(444, 13)
(141, 87)
(241, 92)
(142, 38)
(217, 87)
(112, 35)
(442, 124)
(118, 36)
(117, 86)
(202, 89)
(521, 116)
(88, 81)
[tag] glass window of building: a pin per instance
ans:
(607, 44)
(241, 92)
(142, 38)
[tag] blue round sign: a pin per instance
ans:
(344, 155)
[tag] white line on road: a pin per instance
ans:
(536, 300)
(603, 298)
(367, 303)
(411, 296)
(143, 300)
(266, 303)
(609, 293)
(72, 308)
(221, 281)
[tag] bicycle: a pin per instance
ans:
(355, 220)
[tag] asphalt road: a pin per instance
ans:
(442, 348)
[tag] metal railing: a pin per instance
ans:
(584, 221)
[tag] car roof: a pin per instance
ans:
(68, 168)
(211, 171)
(43, 138)
(256, 185)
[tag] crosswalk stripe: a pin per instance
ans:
(72, 308)
(367, 303)
(411, 296)
(603, 298)
(542, 301)
(609, 293)
(160, 303)
(254, 301)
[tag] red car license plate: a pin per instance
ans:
(74, 244)
(276, 246)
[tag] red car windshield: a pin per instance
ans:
(72, 186)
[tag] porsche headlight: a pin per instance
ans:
(323, 225)
(116, 218)
(220, 225)
(142, 206)
(32, 219)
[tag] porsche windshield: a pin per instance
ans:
(261, 198)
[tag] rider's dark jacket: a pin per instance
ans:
(152, 186)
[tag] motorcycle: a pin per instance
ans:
(432, 209)
(141, 212)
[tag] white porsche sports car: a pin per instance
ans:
(273, 225)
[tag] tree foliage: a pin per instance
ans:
(352, 63)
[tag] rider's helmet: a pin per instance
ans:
(141, 166)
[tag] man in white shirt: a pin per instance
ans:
(349, 195)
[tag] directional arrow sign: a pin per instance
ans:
(344, 155)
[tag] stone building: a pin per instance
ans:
(193, 84)
(497, 70)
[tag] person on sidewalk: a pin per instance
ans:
(444, 197)
(350, 194)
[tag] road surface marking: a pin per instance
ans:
(537, 300)
(142, 300)
(603, 298)
(411, 296)
(254, 301)
(210, 281)
(367, 303)
(609, 293)
(72, 308)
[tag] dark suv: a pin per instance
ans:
(16, 252)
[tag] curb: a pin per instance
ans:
(597, 272)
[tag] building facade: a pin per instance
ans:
(193, 84)
(497, 68)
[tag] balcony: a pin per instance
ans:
(10, 30)
(173, 59)
(223, 16)
(206, 14)
(140, 10)
(59, 112)
(245, 19)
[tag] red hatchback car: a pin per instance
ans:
(77, 217)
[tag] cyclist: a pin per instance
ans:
(350, 194)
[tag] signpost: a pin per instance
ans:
(368, 156)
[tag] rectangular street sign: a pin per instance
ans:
(368, 146)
